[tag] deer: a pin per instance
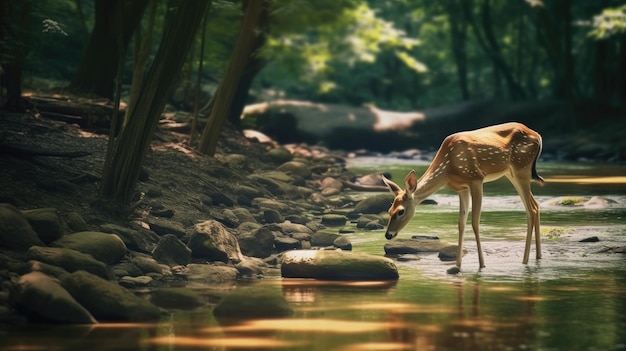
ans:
(464, 162)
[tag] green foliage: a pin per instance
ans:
(612, 21)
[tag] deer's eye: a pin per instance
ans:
(401, 213)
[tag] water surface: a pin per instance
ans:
(574, 298)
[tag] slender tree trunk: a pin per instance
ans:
(15, 42)
(488, 42)
(226, 92)
(96, 72)
(458, 36)
(142, 52)
(123, 164)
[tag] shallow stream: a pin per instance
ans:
(574, 298)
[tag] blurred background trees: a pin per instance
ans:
(397, 54)
(404, 55)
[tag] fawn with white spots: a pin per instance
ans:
(463, 163)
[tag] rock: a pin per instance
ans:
(252, 303)
(142, 240)
(108, 301)
(290, 228)
(171, 251)
(334, 220)
(374, 225)
(337, 265)
(210, 240)
(75, 222)
(105, 247)
(449, 253)
(279, 155)
(323, 239)
(133, 282)
(162, 226)
(126, 268)
(270, 204)
(68, 259)
(277, 187)
(283, 243)
(243, 215)
(295, 167)
(45, 268)
(235, 161)
(343, 243)
(411, 246)
(374, 204)
(43, 298)
(247, 193)
(251, 267)
(258, 243)
(591, 239)
(365, 220)
(46, 222)
(150, 265)
(15, 231)
(599, 202)
(177, 298)
(208, 273)
(272, 216)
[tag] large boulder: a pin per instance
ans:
(337, 265)
(46, 222)
(44, 299)
(171, 251)
(211, 241)
(68, 259)
(142, 240)
(107, 300)
(15, 231)
(257, 243)
(105, 247)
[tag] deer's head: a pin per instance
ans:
(403, 207)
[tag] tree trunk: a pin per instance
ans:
(458, 36)
(15, 42)
(488, 42)
(226, 92)
(123, 163)
(97, 69)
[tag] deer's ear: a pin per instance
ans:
(393, 187)
(410, 182)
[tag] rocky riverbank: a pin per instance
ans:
(203, 220)
(197, 219)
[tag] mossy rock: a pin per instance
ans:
(337, 265)
(252, 303)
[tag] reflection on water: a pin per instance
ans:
(572, 299)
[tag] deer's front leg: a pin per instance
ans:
(464, 198)
(477, 202)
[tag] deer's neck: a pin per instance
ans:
(432, 180)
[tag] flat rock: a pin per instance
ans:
(107, 300)
(337, 265)
(68, 259)
(253, 303)
(412, 246)
(105, 247)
